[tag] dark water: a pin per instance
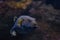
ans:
(54, 3)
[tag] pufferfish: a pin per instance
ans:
(24, 25)
(20, 4)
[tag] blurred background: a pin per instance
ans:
(47, 13)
